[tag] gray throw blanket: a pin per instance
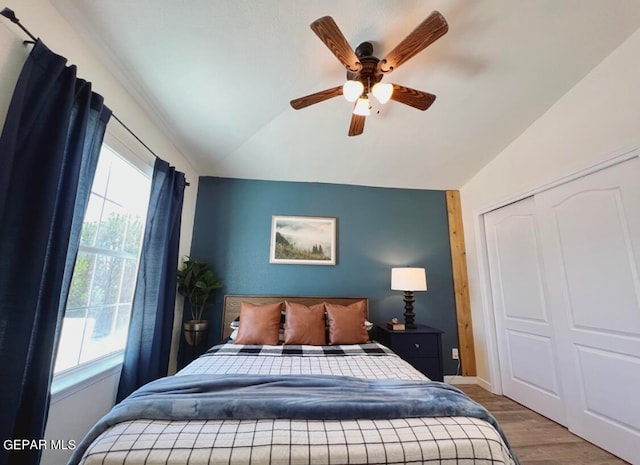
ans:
(312, 397)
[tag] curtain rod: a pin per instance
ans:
(11, 16)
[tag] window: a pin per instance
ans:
(97, 315)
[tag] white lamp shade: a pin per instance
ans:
(362, 107)
(382, 92)
(351, 90)
(408, 279)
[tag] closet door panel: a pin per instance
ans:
(597, 366)
(525, 347)
(594, 239)
(523, 325)
(590, 231)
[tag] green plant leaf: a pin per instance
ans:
(199, 284)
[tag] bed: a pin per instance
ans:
(311, 437)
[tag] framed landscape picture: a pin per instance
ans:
(303, 240)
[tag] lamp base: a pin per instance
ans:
(408, 310)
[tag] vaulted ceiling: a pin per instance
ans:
(218, 75)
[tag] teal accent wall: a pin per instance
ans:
(377, 229)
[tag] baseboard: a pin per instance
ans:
(455, 379)
(484, 384)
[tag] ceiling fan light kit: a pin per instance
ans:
(365, 71)
(382, 91)
(352, 90)
(362, 107)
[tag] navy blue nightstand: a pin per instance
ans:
(421, 347)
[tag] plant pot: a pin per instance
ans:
(195, 332)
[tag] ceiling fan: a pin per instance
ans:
(365, 71)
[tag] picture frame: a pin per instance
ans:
(303, 240)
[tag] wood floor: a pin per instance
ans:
(535, 439)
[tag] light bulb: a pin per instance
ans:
(362, 107)
(352, 90)
(382, 91)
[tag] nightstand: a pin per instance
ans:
(421, 347)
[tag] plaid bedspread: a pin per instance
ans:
(300, 351)
(449, 440)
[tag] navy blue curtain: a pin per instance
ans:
(146, 356)
(48, 155)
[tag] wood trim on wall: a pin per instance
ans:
(461, 284)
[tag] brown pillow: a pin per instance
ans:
(259, 324)
(346, 324)
(304, 325)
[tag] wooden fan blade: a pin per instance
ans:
(329, 33)
(318, 97)
(430, 30)
(357, 125)
(413, 98)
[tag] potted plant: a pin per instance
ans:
(198, 284)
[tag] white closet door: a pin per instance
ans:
(590, 229)
(523, 321)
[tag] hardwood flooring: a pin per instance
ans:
(535, 439)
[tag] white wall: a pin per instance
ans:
(43, 20)
(12, 57)
(72, 416)
(597, 119)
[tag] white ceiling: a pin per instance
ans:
(218, 75)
